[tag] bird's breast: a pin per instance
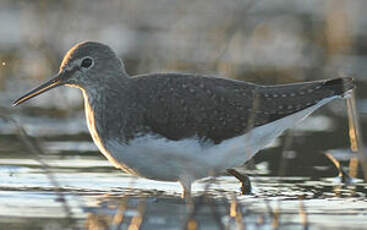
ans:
(91, 122)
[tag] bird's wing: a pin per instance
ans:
(180, 106)
(282, 100)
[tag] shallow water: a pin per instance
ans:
(27, 199)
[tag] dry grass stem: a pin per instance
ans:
(137, 220)
(355, 135)
(118, 218)
(302, 213)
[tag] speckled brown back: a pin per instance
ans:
(180, 106)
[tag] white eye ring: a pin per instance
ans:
(87, 62)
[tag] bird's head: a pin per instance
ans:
(85, 65)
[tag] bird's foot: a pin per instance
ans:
(345, 178)
(245, 181)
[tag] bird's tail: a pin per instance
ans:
(340, 86)
(287, 99)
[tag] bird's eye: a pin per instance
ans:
(87, 62)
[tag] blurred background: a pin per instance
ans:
(261, 41)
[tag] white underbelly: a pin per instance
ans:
(159, 158)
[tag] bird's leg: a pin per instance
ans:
(185, 182)
(186, 195)
(245, 181)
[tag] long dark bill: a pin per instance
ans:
(54, 82)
